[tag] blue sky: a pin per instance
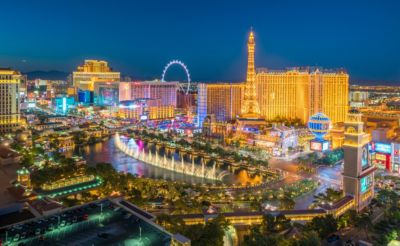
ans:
(139, 37)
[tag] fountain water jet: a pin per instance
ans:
(166, 163)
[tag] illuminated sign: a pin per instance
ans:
(365, 158)
(143, 117)
(383, 148)
(316, 146)
(365, 183)
(380, 157)
(319, 145)
(325, 146)
(64, 104)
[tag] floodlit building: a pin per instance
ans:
(283, 94)
(144, 109)
(164, 91)
(91, 72)
(358, 170)
(278, 140)
(300, 93)
(223, 100)
(267, 95)
(106, 94)
(9, 99)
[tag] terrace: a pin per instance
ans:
(98, 223)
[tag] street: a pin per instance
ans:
(328, 177)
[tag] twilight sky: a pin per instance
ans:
(139, 37)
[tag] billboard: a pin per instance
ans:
(107, 96)
(319, 145)
(365, 183)
(383, 148)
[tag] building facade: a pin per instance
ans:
(300, 93)
(283, 94)
(166, 92)
(223, 100)
(91, 72)
(144, 109)
(106, 94)
(358, 170)
(9, 100)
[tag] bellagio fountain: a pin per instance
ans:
(130, 148)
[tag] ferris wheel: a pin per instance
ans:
(184, 87)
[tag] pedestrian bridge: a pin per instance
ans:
(255, 218)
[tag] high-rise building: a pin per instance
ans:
(223, 100)
(330, 94)
(283, 94)
(145, 109)
(300, 93)
(9, 99)
(165, 91)
(106, 94)
(358, 170)
(250, 107)
(90, 72)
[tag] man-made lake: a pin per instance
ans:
(108, 152)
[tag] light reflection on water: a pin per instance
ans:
(107, 152)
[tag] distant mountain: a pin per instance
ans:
(50, 75)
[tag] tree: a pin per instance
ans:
(392, 235)
(323, 225)
(211, 234)
(388, 198)
(330, 196)
(273, 224)
(257, 238)
(364, 222)
(307, 238)
(347, 219)
(286, 203)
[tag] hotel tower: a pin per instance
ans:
(10, 81)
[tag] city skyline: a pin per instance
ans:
(362, 43)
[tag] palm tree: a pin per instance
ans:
(364, 222)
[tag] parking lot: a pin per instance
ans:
(94, 224)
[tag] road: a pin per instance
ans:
(328, 177)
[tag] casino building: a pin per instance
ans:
(301, 93)
(222, 100)
(10, 81)
(268, 94)
(91, 72)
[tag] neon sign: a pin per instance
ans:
(383, 148)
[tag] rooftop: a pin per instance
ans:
(104, 222)
(7, 153)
